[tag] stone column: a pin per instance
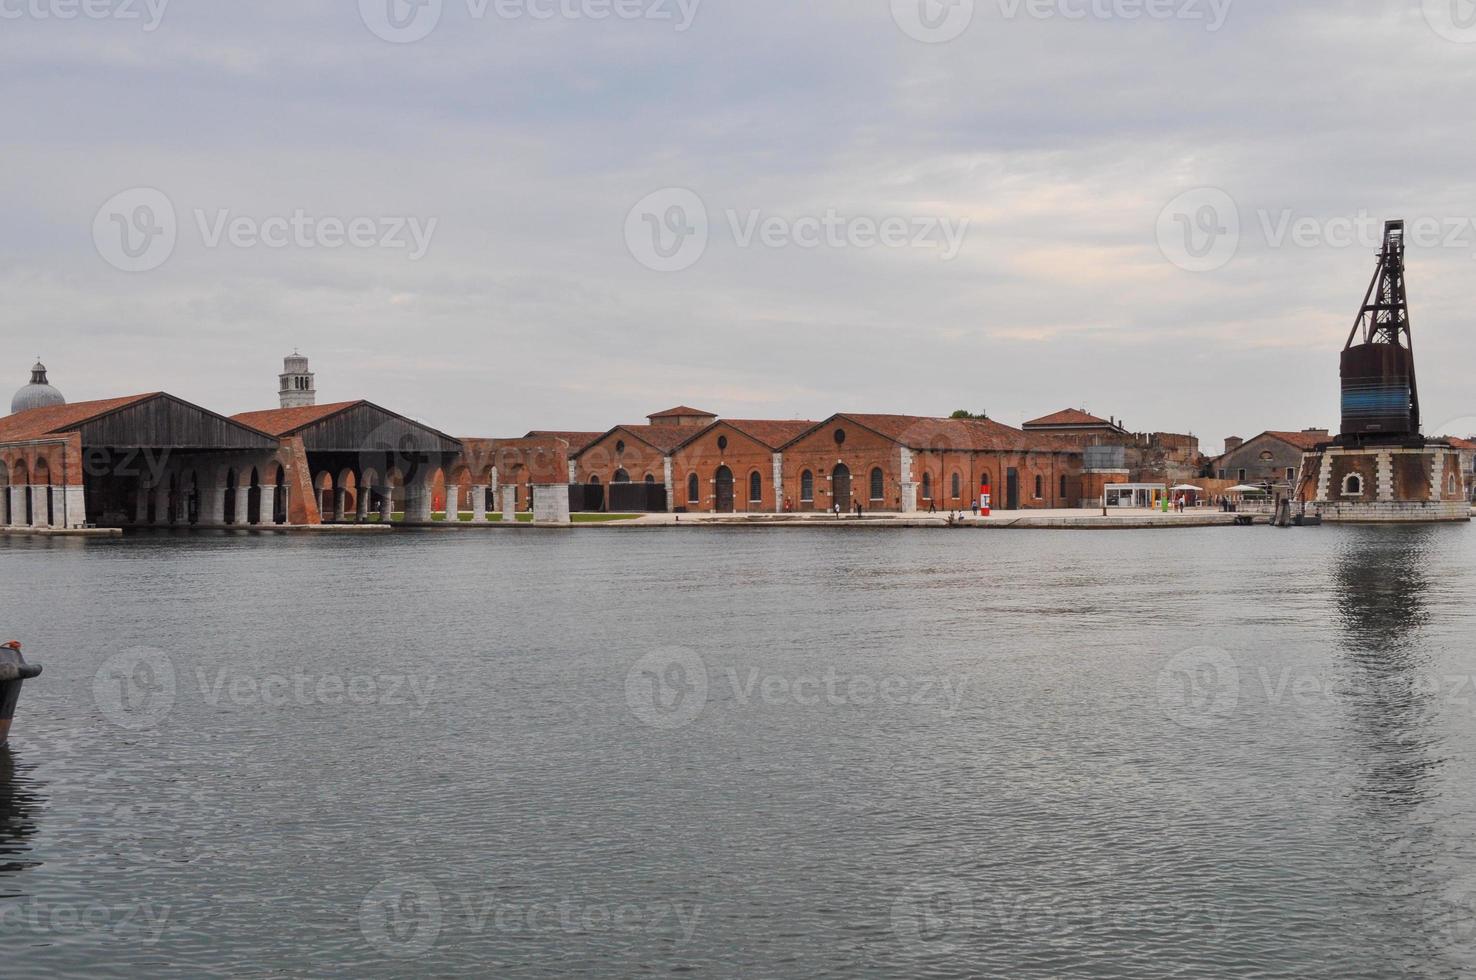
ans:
(666, 479)
(386, 504)
(779, 483)
(161, 506)
(243, 506)
(141, 510)
(453, 503)
(182, 509)
(212, 508)
(509, 504)
(76, 506)
(417, 503)
(551, 503)
(479, 504)
(361, 503)
(1385, 472)
(573, 471)
(18, 495)
(267, 513)
(39, 496)
(909, 489)
(340, 504)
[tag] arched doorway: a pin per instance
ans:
(840, 486)
(724, 490)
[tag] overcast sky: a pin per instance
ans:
(682, 202)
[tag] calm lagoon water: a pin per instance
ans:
(755, 753)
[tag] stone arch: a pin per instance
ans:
(1353, 485)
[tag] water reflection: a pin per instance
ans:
(1381, 587)
(19, 805)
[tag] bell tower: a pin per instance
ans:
(297, 388)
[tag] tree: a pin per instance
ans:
(965, 414)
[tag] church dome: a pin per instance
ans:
(37, 394)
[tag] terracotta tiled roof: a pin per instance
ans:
(978, 435)
(772, 432)
(1465, 445)
(576, 440)
(280, 421)
(1302, 440)
(1069, 416)
(663, 437)
(39, 422)
(680, 410)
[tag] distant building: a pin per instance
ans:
(297, 386)
(1273, 457)
(1147, 457)
(37, 394)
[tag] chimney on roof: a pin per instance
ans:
(1319, 433)
(1233, 443)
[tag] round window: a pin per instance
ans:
(722, 442)
(620, 446)
(840, 437)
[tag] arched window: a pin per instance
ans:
(1039, 486)
(650, 478)
(755, 487)
(693, 491)
(621, 476)
(878, 484)
(957, 486)
(1353, 485)
(927, 486)
(594, 480)
(807, 486)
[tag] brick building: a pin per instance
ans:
(885, 462)
(1147, 457)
